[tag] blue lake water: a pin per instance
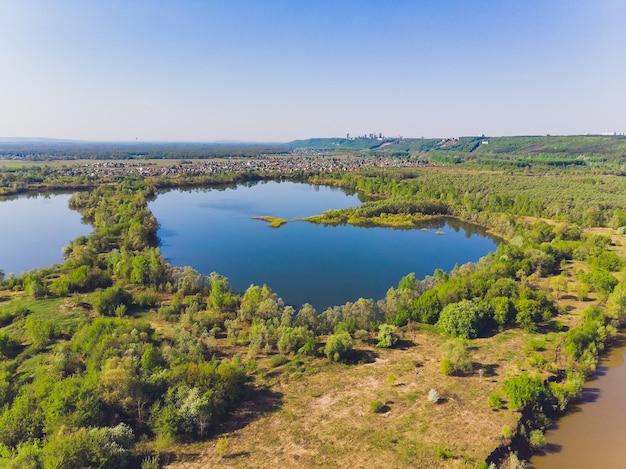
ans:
(34, 229)
(213, 230)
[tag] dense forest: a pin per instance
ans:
(117, 359)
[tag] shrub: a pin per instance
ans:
(278, 360)
(427, 307)
(377, 407)
(151, 462)
(456, 358)
(291, 339)
(524, 389)
(443, 453)
(462, 319)
(387, 336)
(569, 390)
(106, 301)
(537, 360)
(221, 447)
(146, 299)
(338, 346)
(537, 439)
(495, 401)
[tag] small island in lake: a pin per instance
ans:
(274, 222)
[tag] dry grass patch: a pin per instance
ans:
(325, 419)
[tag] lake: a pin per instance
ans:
(213, 230)
(34, 229)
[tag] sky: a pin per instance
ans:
(279, 70)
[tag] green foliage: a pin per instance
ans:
(387, 336)
(97, 447)
(377, 407)
(585, 341)
(292, 339)
(278, 360)
(105, 302)
(601, 281)
(427, 308)
(221, 447)
(537, 439)
(456, 359)
(40, 332)
(616, 303)
(338, 346)
(529, 313)
(524, 389)
(462, 319)
(443, 453)
(150, 462)
(504, 312)
(568, 390)
(495, 401)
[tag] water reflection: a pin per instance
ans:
(213, 230)
(34, 228)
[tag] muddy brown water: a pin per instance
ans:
(594, 435)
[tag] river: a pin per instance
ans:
(593, 435)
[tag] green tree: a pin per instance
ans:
(462, 319)
(528, 314)
(338, 346)
(106, 301)
(503, 311)
(427, 307)
(387, 336)
(616, 303)
(219, 294)
(39, 332)
(525, 389)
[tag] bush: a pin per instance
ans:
(221, 447)
(495, 401)
(462, 319)
(146, 299)
(151, 462)
(338, 346)
(443, 453)
(456, 358)
(524, 389)
(291, 339)
(387, 336)
(569, 390)
(278, 360)
(377, 407)
(106, 301)
(537, 439)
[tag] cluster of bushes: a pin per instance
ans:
(112, 371)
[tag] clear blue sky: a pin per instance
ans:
(192, 70)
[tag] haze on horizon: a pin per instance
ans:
(281, 70)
